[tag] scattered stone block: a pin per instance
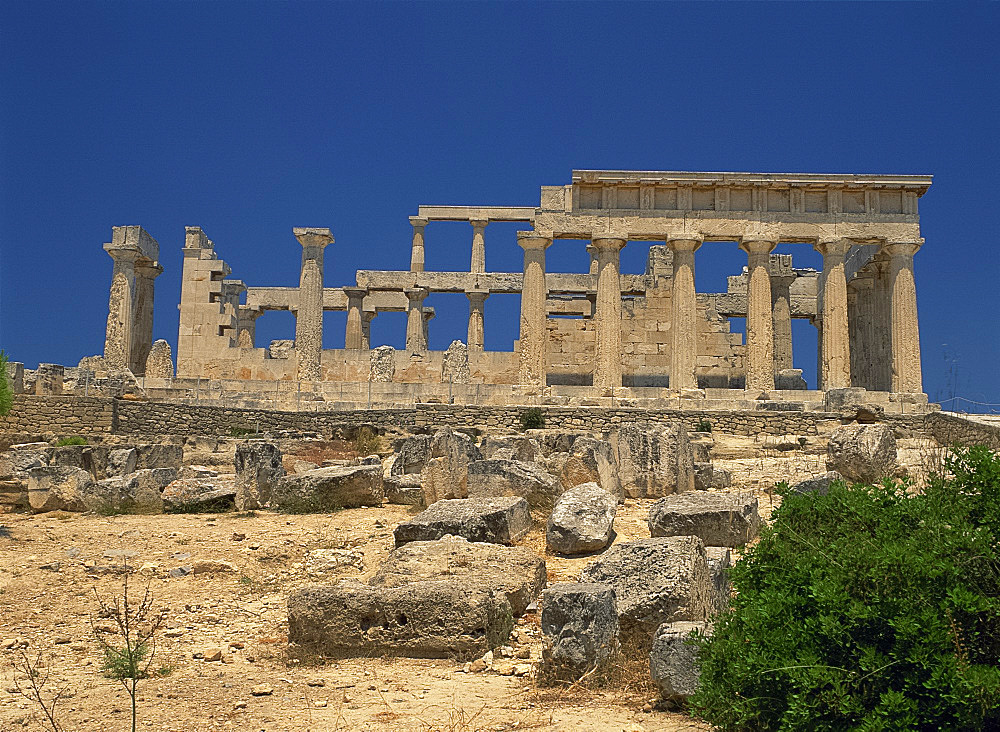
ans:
(58, 488)
(138, 492)
(494, 520)
(515, 571)
(428, 619)
(656, 581)
(490, 478)
(412, 454)
(592, 461)
(121, 462)
(654, 460)
(863, 453)
(673, 659)
(511, 447)
(159, 362)
(709, 477)
(720, 559)
(580, 628)
(582, 520)
(330, 489)
(159, 455)
(403, 490)
(818, 484)
(258, 468)
(197, 495)
(446, 472)
(718, 519)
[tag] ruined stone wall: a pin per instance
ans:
(60, 415)
(951, 429)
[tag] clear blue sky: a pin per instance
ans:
(250, 118)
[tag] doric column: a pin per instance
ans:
(532, 345)
(366, 328)
(118, 336)
(415, 340)
(478, 246)
(428, 314)
(246, 326)
(309, 318)
(142, 314)
(477, 301)
(683, 312)
(836, 361)
(882, 331)
(860, 326)
(760, 335)
(906, 373)
(354, 337)
(593, 258)
(781, 320)
(417, 253)
(608, 316)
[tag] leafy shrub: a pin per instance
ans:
(704, 426)
(368, 442)
(872, 607)
(74, 440)
(532, 419)
(6, 389)
(240, 432)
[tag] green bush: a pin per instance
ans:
(872, 607)
(74, 440)
(704, 426)
(6, 389)
(532, 419)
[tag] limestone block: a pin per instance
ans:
(582, 520)
(673, 659)
(709, 477)
(656, 581)
(412, 454)
(258, 468)
(332, 488)
(159, 363)
(139, 492)
(818, 484)
(159, 455)
(49, 379)
(580, 629)
(515, 571)
(403, 490)
(196, 495)
(862, 453)
(495, 520)
(19, 459)
(122, 462)
(281, 349)
(383, 364)
(445, 474)
(592, 461)
(720, 560)
(790, 379)
(58, 488)
(456, 364)
(429, 619)
(15, 375)
(489, 478)
(654, 460)
(718, 519)
(511, 447)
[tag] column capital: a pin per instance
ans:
(122, 254)
(833, 247)
(608, 242)
(752, 245)
(684, 240)
(418, 223)
(312, 237)
(416, 295)
(479, 223)
(477, 296)
(534, 239)
(150, 270)
(355, 292)
(904, 248)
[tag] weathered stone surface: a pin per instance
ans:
(15, 376)
(718, 519)
(515, 571)
(580, 628)
(403, 490)
(456, 364)
(819, 484)
(446, 471)
(429, 619)
(122, 461)
(701, 446)
(790, 379)
(488, 478)
(673, 660)
(412, 455)
(592, 461)
(329, 489)
(160, 362)
(707, 476)
(382, 366)
(582, 520)
(200, 494)
(654, 460)
(140, 491)
(49, 379)
(258, 468)
(862, 453)
(58, 488)
(495, 520)
(656, 581)
(19, 459)
(511, 447)
(719, 561)
(159, 455)
(282, 349)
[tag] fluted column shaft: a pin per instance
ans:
(906, 370)
(354, 337)
(309, 317)
(836, 364)
(478, 263)
(760, 328)
(366, 328)
(781, 321)
(608, 315)
(683, 313)
(417, 251)
(532, 347)
(118, 335)
(477, 303)
(416, 341)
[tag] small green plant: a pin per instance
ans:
(704, 426)
(128, 650)
(74, 440)
(240, 432)
(532, 419)
(368, 442)
(6, 389)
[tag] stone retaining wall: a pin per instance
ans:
(949, 429)
(63, 415)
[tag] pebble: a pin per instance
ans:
(262, 690)
(212, 654)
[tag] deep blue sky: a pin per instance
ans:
(251, 118)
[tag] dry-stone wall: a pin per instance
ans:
(949, 429)
(35, 415)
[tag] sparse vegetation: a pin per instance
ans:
(368, 442)
(704, 426)
(73, 440)
(33, 680)
(6, 389)
(532, 419)
(241, 432)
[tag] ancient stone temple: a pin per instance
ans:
(598, 335)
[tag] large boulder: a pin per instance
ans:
(591, 461)
(491, 478)
(412, 454)
(428, 619)
(580, 628)
(494, 520)
(330, 489)
(709, 477)
(137, 492)
(654, 460)
(258, 468)
(122, 461)
(862, 453)
(720, 560)
(58, 488)
(582, 520)
(403, 490)
(515, 571)
(19, 459)
(718, 519)
(511, 447)
(673, 659)
(446, 471)
(656, 581)
(200, 495)
(159, 455)
(818, 484)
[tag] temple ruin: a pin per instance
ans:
(602, 335)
